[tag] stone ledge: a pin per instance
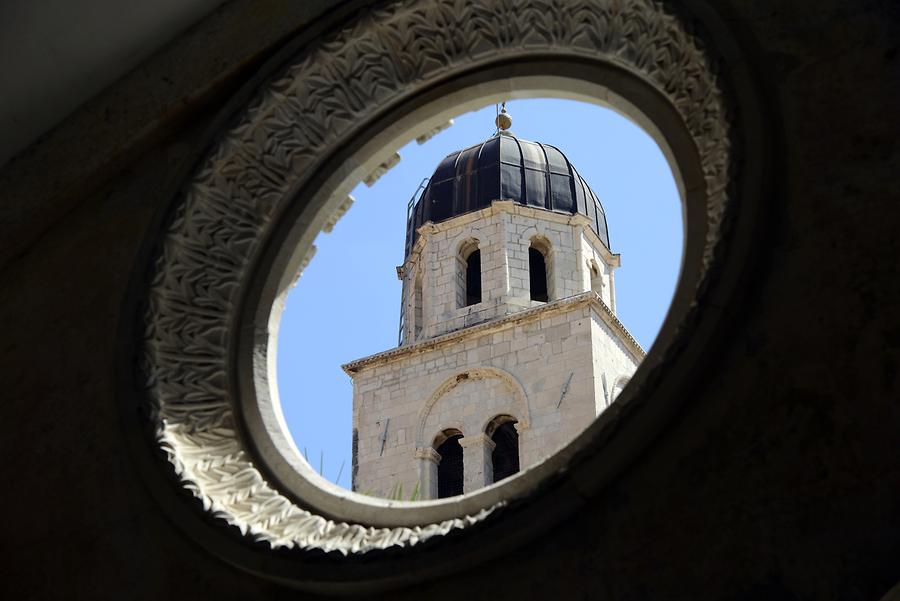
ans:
(559, 306)
(505, 206)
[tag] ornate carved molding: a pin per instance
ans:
(227, 209)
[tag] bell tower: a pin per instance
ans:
(509, 343)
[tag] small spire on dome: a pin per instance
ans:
(504, 119)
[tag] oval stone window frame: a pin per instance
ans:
(248, 215)
(289, 251)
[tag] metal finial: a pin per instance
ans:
(504, 119)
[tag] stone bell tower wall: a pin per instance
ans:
(434, 273)
(542, 366)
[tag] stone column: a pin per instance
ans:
(428, 460)
(528, 454)
(478, 469)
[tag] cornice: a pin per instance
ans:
(429, 228)
(499, 324)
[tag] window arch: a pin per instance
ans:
(505, 456)
(450, 466)
(469, 274)
(538, 269)
(618, 387)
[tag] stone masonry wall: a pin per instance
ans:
(614, 360)
(518, 366)
(504, 233)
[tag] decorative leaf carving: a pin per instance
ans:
(224, 214)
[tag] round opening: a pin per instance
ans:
(329, 117)
(289, 252)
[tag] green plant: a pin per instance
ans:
(396, 493)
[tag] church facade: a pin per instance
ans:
(509, 341)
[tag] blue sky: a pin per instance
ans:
(347, 303)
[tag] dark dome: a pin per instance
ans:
(505, 167)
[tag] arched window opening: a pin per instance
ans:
(537, 269)
(618, 387)
(473, 278)
(468, 274)
(450, 468)
(596, 279)
(505, 457)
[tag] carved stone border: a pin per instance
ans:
(230, 204)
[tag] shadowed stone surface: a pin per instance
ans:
(781, 480)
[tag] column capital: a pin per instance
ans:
(428, 454)
(478, 439)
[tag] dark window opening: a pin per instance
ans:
(537, 268)
(596, 280)
(473, 278)
(450, 469)
(506, 452)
